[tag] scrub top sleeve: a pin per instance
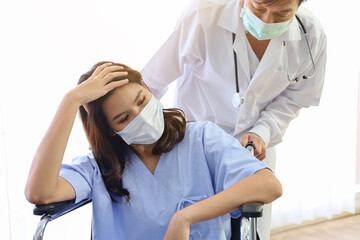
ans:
(181, 48)
(80, 175)
(228, 161)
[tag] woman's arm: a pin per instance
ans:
(44, 184)
(262, 186)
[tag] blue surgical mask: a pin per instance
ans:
(147, 127)
(259, 29)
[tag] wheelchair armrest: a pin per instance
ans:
(252, 210)
(55, 210)
(52, 211)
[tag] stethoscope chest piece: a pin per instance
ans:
(237, 100)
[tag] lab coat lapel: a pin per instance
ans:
(274, 56)
(231, 21)
(240, 48)
(271, 59)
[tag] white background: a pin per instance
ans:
(46, 45)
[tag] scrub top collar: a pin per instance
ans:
(231, 21)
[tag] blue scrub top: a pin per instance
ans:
(204, 163)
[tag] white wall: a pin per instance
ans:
(319, 149)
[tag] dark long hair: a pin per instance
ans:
(110, 151)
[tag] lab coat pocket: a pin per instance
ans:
(274, 86)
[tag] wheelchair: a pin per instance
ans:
(242, 228)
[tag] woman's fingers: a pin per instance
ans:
(110, 69)
(105, 78)
(110, 86)
(100, 68)
(113, 75)
(108, 74)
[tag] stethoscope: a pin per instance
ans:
(237, 99)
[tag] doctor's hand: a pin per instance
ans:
(260, 149)
(179, 227)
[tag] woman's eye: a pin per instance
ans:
(141, 101)
(124, 119)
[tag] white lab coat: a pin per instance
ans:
(199, 53)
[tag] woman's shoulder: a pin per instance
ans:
(86, 161)
(202, 126)
(89, 157)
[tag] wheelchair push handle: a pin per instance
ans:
(251, 147)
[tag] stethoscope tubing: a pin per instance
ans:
(294, 80)
(310, 53)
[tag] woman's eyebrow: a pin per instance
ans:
(117, 116)
(137, 96)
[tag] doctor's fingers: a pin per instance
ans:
(244, 140)
(260, 153)
(260, 149)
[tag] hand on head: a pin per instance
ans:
(101, 82)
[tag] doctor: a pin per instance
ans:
(247, 65)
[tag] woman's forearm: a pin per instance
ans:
(44, 172)
(262, 186)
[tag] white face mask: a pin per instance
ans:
(262, 30)
(147, 127)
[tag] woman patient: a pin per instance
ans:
(150, 174)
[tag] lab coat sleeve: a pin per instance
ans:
(275, 117)
(80, 175)
(181, 48)
(228, 161)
